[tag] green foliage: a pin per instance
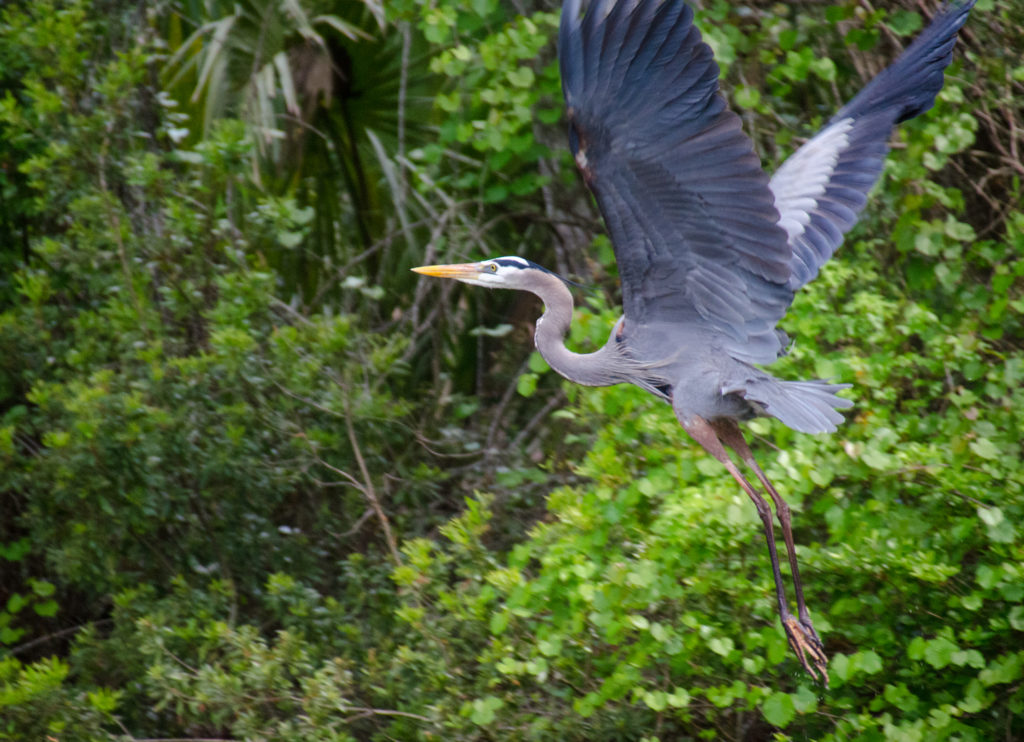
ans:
(37, 702)
(208, 673)
(177, 374)
(163, 412)
(493, 109)
(38, 597)
(275, 492)
(257, 40)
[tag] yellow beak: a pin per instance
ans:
(456, 270)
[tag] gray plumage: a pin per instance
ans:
(710, 250)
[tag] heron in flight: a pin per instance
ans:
(710, 249)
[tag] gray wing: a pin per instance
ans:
(688, 208)
(821, 189)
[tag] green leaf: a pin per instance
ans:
(998, 528)
(841, 666)
(521, 77)
(985, 448)
(526, 385)
(805, 700)
(939, 652)
(289, 239)
(904, 22)
(16, 602)
(746, 96)
(869, 662)
(640, 622)
(16, 550)
(10, 636)
(483, 710)
(824, 68)
(656, 700)
(901, 698)
(550, 647)
(960, 231)
(103, 700)
(721, 645)
(42, 588)
(537, 364)
(991, 515)
(484, 8)
(778, 709)
(47, 608)
(499, 622)
(679, 698)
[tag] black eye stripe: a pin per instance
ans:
(523, 264)
(512, 263)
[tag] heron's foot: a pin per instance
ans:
(808, 647)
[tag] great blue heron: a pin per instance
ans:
(710, 250)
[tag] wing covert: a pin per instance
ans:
(688, 208)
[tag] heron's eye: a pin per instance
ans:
(492, 267)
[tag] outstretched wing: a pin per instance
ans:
(688, 208)
(822, 187)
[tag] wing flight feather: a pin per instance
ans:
(701, 237)
(688, 208)
(821, 189)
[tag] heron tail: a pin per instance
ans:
(805, 406)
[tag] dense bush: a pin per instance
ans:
(259, 484)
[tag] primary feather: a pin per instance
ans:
(702, 238)
(687, 205)
(821, 189)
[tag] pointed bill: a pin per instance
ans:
(455, 270)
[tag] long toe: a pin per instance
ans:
(808, 647)
(808, 627)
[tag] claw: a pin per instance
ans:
(808, 647)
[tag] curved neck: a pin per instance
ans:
(601, 368)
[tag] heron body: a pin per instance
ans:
(710, 249)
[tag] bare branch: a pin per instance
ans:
(370, 491)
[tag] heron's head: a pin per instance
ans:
(509, 272)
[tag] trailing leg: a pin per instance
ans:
(800, 633)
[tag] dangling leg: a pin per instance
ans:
(805, 644)
(729, 433)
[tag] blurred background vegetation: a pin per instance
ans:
(259, 482)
